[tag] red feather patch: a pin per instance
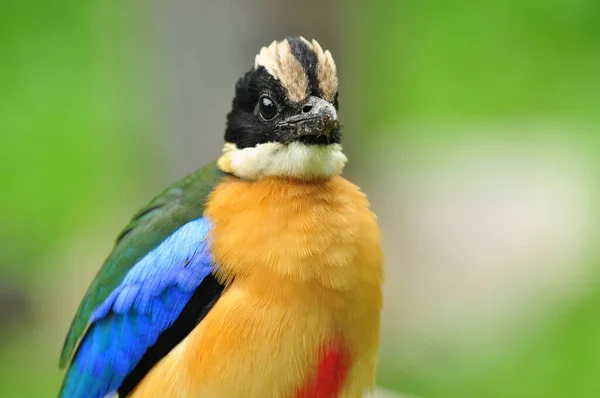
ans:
(330, 377)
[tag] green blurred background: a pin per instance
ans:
(473, 126)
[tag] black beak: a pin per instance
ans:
(317, 117)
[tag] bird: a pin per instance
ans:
(258, 275)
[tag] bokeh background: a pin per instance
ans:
(473, 126)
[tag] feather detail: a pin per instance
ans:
(177, 205)
(147, 302)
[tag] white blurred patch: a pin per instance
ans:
(383, 393)
(483, 236)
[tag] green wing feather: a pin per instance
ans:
(184, 201)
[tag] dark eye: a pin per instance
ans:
(267, 107)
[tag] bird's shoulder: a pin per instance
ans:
(177, 205)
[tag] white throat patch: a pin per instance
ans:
(306, 162)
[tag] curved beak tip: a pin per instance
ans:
(329, 121)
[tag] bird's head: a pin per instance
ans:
(284, 117)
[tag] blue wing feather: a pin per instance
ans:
(149, 299)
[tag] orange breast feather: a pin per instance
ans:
(300, 315)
